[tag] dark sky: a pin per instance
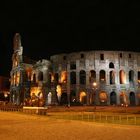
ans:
(51, 27)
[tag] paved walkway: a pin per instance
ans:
(16, 126)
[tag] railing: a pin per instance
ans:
(8, 108)
(28, 110)
(100, 118)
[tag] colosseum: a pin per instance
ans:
(84, 78)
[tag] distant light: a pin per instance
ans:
(94, 84)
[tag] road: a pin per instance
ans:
(18, 126)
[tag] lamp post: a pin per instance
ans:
(94, 90)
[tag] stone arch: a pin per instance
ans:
(112, 77)
(102, 75)
(82, 77)
(92, 76)
(122, 77)
(131, 76)
(40, 76)
(113, 98)
(132, 98)
(123, 99)
(103, 98)
(83, 97)
(63, 77)
(111, 65)
(138, 77)
(73, 96)
(138, 97)
(34, 78)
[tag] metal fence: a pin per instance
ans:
(11, 109)
(26, 111)
(101, 118)
(112, 118)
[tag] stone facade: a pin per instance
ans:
(29, 79)
(90, 78)
(116, 73)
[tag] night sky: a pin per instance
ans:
(51, 27)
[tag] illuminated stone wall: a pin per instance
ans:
(115, 72)
(70, 77)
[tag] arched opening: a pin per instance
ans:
(73, 97)
(102, 76)
(138, 77)
(17, 78)
(28, 73)
(92, 76)
(2, 97)
(123, 99)
(59, 92)
(63, 78)
(56, 77)
(73, 78)
(112, 77)
(40, 76)
(83, 97)
(34, 77)
(103, 98)
(132, 98)
(49, 98)
(131, 76)
(82, 77)
(111, 65)
(14, 81)
(138, 97)
(64, 99)
(122, 77)
(113, 98)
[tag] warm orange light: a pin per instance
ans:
(15, 63)
(63, 77)
(17, 78)
(35, 90)
(138, 95)
(58, 90)
(28, 71)
(14, 79)
(94, 84)
(82, 94)
(103, 96)
(5, 95)
(52, 77)
(122, 77)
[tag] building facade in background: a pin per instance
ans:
(90, 78)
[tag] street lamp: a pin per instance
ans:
(94, 90)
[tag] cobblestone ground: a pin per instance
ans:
(17, 126)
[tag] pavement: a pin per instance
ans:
(19, 126)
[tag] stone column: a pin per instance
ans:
(45, 74)
(77, 80)
(68, 83)
(87, 88)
